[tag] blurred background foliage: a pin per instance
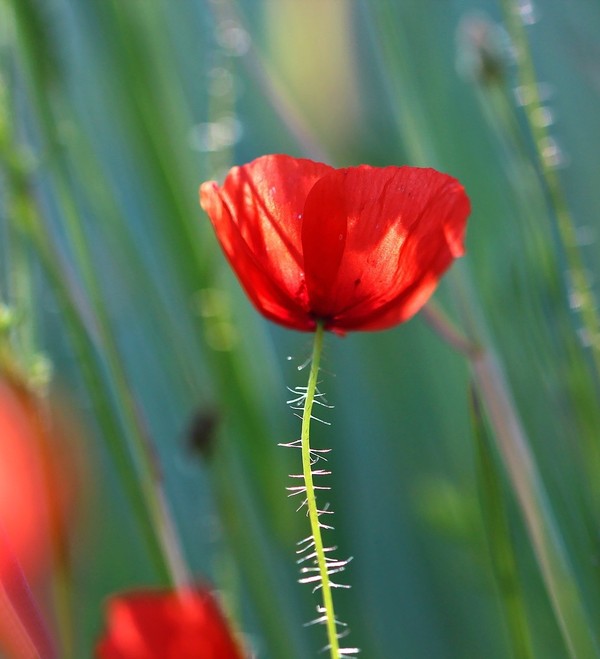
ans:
(113, 287)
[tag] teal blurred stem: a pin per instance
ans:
(254, 554)
(500, 544)
(530, 492)
(537, 235)
(116, 410)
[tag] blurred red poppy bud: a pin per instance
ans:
(360, 248)
(38, 474)
(39, 483)
(166, 625)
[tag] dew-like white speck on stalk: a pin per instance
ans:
(543, 116)
(526, 94)
(233, 38)
(585, 235)
(552, 154)
(586, 340)
(213, 136)
(527, 12)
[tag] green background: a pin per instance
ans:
(113, 112)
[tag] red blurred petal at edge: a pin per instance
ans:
(166, 625)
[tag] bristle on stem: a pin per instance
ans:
(315, 562)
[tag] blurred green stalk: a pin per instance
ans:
(513, 445)
(581, 297)
(541, 286)
(545, 537)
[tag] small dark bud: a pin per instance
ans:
(482, 50)
(201, 432)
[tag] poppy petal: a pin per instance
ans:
(257, 215)
(263, 291)
(408, 301)
(404, 226)
(324, 231)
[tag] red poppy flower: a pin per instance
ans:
(166, 625)
(360, 248)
